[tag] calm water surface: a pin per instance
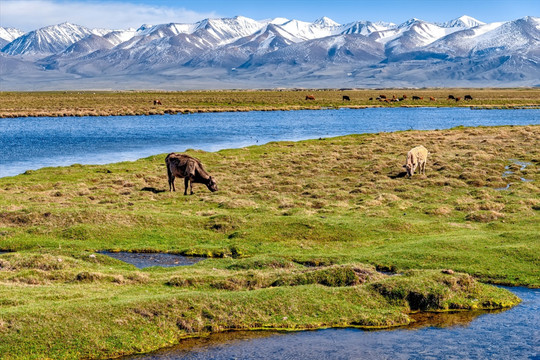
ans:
(32, 143)
(144, 260)
(511, 334)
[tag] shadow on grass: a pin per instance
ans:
(396, 176)
(152, 189)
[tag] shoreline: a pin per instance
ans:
(201, 111)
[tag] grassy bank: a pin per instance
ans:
(294, 239)
(89, 103)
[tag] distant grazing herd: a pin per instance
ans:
(394, 98)
(381, 97)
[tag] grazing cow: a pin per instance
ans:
(468, 97)
(431, 98)
(451, 97)
(404, 96)
(382, 96)
(346, 98)
(157, 102)
(189, 168)
(310, 97)
(457, 99)
(370, 99)
(417, 97)
(416, 157)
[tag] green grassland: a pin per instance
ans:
(89, 103)
(294, 240)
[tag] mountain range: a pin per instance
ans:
(241, 52)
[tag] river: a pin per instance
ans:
(33, 143)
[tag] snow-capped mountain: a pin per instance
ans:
(242, 52)
(7, 35)
(50, 40)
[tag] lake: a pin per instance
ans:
(511, 334)
(32, 143)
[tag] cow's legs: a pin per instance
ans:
(171, 183)
(186, 184)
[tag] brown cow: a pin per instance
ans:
(310, 97)
(157, 102)
(457, 99)
(404, 96)
(431, 98)
(189, 168)
(382, 96)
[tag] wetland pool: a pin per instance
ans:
(144, 260)
(32, 143)
(511, 334)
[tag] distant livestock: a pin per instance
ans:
(431, 98)
(457, 99)
(416, 157)
(417, 97)
(468, 97)
(404, 96)
(189, 168)
(346, 98)
(382, 96)
(451, 97)
(157, 102)
(310, 97)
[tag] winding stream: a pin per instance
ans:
(511, 334)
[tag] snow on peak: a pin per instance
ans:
(410, 22)
(10, 34)
(144, 27)
(326, 22)
(463, 21)
(275, 21)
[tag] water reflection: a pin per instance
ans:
(511, 334)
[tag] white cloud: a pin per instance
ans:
(29, 15)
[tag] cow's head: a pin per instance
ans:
(410, 169)
(212, 185)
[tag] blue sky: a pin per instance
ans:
(31, 14)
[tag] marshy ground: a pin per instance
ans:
(295, 238)
(103, 103)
